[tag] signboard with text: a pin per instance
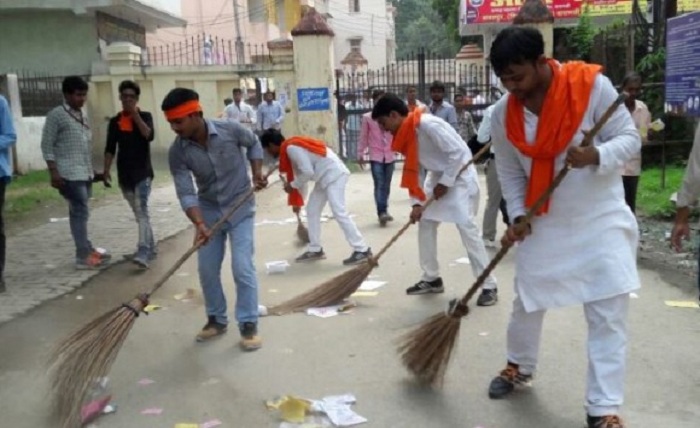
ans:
(313, 99)
(688, 6)
(683, 65)
(504, 11)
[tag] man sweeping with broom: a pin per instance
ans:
(429, 142)
(210, 150)
(304, 159)
(581, 246)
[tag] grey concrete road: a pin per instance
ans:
(313, 357)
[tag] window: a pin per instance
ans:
(354, 6)
(355, 45)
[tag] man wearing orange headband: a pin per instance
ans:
(211, 151)
(581, 247)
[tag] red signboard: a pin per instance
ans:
(504, 11)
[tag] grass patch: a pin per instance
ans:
(652, 199)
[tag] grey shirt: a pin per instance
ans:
(67, 140)
(219, 170)
(446, 112)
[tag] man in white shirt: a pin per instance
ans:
(431, 143)
(270, 113)
(240, 111)
(687, 196)
(304, 159)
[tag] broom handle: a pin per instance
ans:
(587, 141)
(214, 229)
(430, 200)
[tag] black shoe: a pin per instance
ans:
(607, 421)
(211, 330)
(487, 298)
(250, 341)
(311, 256)
(506, 382)
(426, 287)
(358, 257)
(384, 218)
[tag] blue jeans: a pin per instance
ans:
(138, 201)
(381, 174)
(77, 193)
(210, 258)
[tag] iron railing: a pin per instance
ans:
(204, 50)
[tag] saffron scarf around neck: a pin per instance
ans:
(406, 143)
(564, 106)
(125, 122)
(318, 147)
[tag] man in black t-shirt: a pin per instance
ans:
(129, 136)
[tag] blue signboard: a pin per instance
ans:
(313, 99)
(683, 65)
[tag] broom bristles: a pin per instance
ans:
(426, 350)
(331, 292)
(302, 233)
(82, 359)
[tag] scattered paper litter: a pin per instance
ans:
(371, 285)
(330, 311)
(365, 294)
(78, 297)
(273, 290)
(335, 407)
(109, 408)
(681, 304)
(146, 381)
(49, 266)
(151, 308)
(276, 266)
(484, 333)
(262, 310)
(57, 219)
(634, 295)
(463, 261)
(186, 425)
(211, 424)
(187, 295)
(94, 409)
(211, 381)
(182, 274)
(152, 411)
(163, 210)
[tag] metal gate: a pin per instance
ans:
(418, 70)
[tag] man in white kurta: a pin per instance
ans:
(330, 176)
(583, 250)
(442, 153)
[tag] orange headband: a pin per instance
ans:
(184, 109)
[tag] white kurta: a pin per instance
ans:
(585, 248)
(443, 153)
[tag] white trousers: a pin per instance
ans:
(607, 341)
(334, 194)
(471, 239)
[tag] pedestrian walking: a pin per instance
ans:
(129, 136)
(429, 142)
(240, 111)
(303, 159)
(581, 247)
(270, 113)
(210, 151)
(66, 144)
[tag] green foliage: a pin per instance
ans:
(652, 199)
(582, 36)
(653, 69)
(420, 25)
(449, 12)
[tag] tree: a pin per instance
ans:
(449, 12)
(420, 25)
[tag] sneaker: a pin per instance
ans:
(91, 262)
(426, 287)
(487, 298)
(311, 256)
(607, 421)
(141, 259)
(358, 257)
(211, 330)
(250, 341)
(102, 253)
(490, 243)
(506, 382)
(389, 217)
(151, 256)
(384, 219)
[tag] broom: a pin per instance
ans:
(426, 350)
(302, 231)
(337, 289)
(87, 355)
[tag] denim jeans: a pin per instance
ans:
(138, 201)
(381, 174)
(210, 258)
(78, 193)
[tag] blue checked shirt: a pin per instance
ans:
(67, 140)
(219, 170)
(270, 115)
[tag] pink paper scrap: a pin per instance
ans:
(152, 411)
(211, 424)
(146, 381)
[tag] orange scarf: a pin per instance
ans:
(406, 143)
(126, 123)
(318, 147)
(564, 105)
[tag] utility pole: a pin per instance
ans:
(240, 54)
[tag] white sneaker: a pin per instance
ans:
(490, 243)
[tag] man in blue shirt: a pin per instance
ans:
(211, 151)
(270, 113)
(8, 138)
(441, 108)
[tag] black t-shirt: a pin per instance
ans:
(132, 149)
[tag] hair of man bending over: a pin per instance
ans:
(178, 96)
(386, 104)
(271, 137)
(516, 45)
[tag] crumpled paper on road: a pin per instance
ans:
(330, 411)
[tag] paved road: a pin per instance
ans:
(313, 357)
